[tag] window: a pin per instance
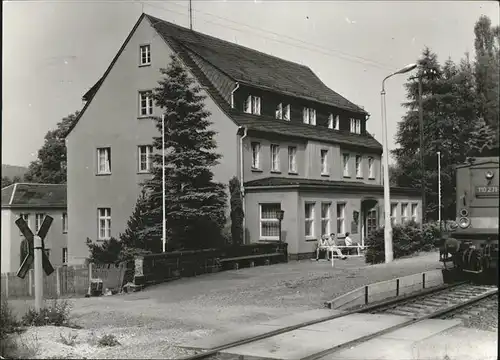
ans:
(252, 105)
(104, 160)
(394, 208)
(64, 255)
(269, 223)
(340, 218)
(255, 156)
(371, 221)
(371, 173)
(26, 217)
(38, 221)
(346, 165)
(275, 157)
(145, 51)
(309, 116)
(333, 122)
(325, 218)
(324, 162)
(404, 213)
(145, 103)
(309, 219)
(104, 223)
(359, 170)
(65, 223)
(292, 159)
(356, 126)
(414, 213)
(145, 152)
(283, 112)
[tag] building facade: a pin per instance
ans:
(289, 138)
(32, 202)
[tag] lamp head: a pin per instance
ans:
(406, 69)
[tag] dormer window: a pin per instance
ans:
(283, 112)
(356, 126)
(252, 105)
(309, 116)
(333, 122)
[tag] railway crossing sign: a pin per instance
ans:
(28, 234)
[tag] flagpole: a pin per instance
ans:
(439, 188)
(164, 229)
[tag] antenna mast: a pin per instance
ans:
(190, 16)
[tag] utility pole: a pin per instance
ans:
(190, 16)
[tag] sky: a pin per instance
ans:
(54, 51)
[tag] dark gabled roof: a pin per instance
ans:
(277, 182)
(253, 67)
(299, 130)
(478, 161)
(25, 195)
(219, 65)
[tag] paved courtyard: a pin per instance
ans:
(150, 323)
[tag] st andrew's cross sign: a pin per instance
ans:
(42, 233)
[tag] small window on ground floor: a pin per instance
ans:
(269, 223)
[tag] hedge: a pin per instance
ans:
(407, 239)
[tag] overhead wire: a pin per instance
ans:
(325, 51)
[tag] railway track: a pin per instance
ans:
(428, 304)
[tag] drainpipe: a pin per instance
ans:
(232, 94)
(245, 130)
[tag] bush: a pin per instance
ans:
(108, 340)
(56, 314)
(407, 239)
(8, 325)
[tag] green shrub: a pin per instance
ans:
(407, 239)
(56, 314)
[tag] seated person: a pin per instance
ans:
(322, 245)
(350, 242)
(333, 247)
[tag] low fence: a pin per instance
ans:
(64, 281)
(156, 268)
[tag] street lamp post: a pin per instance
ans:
(387, 196)
(164, 228)
(280, 214)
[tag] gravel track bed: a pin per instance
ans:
(152, 323)
(481, 316)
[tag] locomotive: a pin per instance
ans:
(475, 236)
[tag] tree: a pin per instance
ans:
(487, 68)
(133, 237)
(6, 181)
(195, 203)
(106, 252)
(50, 166)
(237, 212)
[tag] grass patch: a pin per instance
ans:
(69, 340)
(56, 314)
(108, 340)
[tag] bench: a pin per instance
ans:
(250, 257)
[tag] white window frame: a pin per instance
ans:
(104, 214)
(404, 213)
(104, 160)
(255, 146)
(309, 116)
(145, 52)
(325, 218)
(324, 161)
(355, 126)
(64, 219)
(283, 112)
(337, 123)
(146, 150)
(414, 212)
(310, 219)
(38, 221)
(331, 125)
(147, 98)
(292, 159)
(64, 255)
(371, 168)
(346, 157)
(394, 215)
(252, 105)
(268, 220)
(275, 157)
(341, 218)
(359, 167)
